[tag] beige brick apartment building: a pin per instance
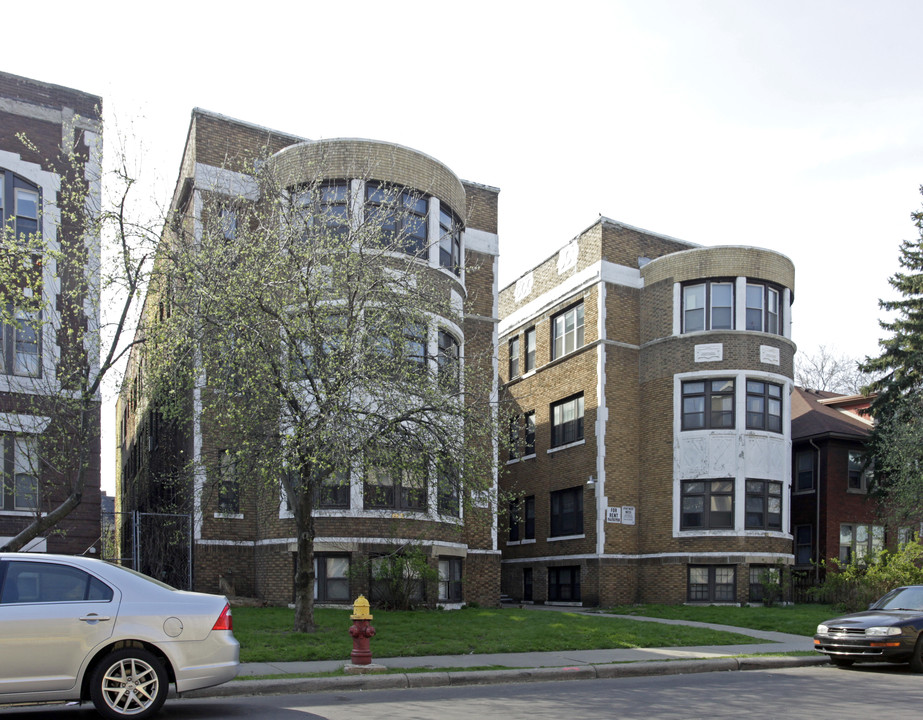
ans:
(649, 382)
(248, 549)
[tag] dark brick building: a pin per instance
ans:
(44, 314)
(833, 515)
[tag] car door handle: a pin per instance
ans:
(93, 617)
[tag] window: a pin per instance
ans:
(858, 472)
(564, 584)
(567, 512)
(399, 348)
(415, 345)
(331, 578)
(228, 485)
(19, 206)
(567, 421)
(804, 470)
(37, 582)
(333, 207)
(514, 357)
(399, 216)
(529, 448)
(860, 542)
(526, 448)
(325, 207)
(449, 492)
(522, 519)
(514, 521)
(804, 544)
(708, 404)
(227, 222)
(26, 214)
(21, 465)
(760, 574)
(450, 579)
(707, 504)
(764, 406)
(527, 584)
(447, 361)
(20, 353)
(333, 491)
(514, 437)
(712, 583)
(402, 488)
(530, 350)
(567, 331)
(708, 306)
(904, 536)
(449, 241)
(764, 505)
(763, 314)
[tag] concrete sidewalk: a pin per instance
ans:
(530, 666)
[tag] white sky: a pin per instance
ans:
(794, 125)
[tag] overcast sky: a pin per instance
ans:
(794, 125)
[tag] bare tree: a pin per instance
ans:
(76, 290)
(830, 371)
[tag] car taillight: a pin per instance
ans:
(224, 621)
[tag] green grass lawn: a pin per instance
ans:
(794, 619)
(265, 634)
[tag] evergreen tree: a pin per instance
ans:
(897, 441)
(899, 367)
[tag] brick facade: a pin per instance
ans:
(252, 552)
(827, 428)
(631, 459)
(59, 123)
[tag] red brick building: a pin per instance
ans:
(46, 313)
(649, 383)
(833, 515)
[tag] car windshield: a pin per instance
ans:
(907, 598)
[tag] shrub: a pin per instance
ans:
(398, 579)
(776, 585)
(853, 586)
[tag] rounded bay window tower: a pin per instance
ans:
(431, 236)
(719, 363)
(448, 227)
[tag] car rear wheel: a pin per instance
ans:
(916, 660)
(129, 683)
(842, 662)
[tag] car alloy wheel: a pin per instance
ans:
(129, 683)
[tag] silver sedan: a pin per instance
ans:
(75, 628)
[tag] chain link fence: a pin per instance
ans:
(156, 544)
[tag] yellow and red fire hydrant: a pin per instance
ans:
(362, 631)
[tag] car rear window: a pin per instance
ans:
(122, 568)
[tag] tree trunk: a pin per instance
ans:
(304, 562)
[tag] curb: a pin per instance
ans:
(398, 681)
